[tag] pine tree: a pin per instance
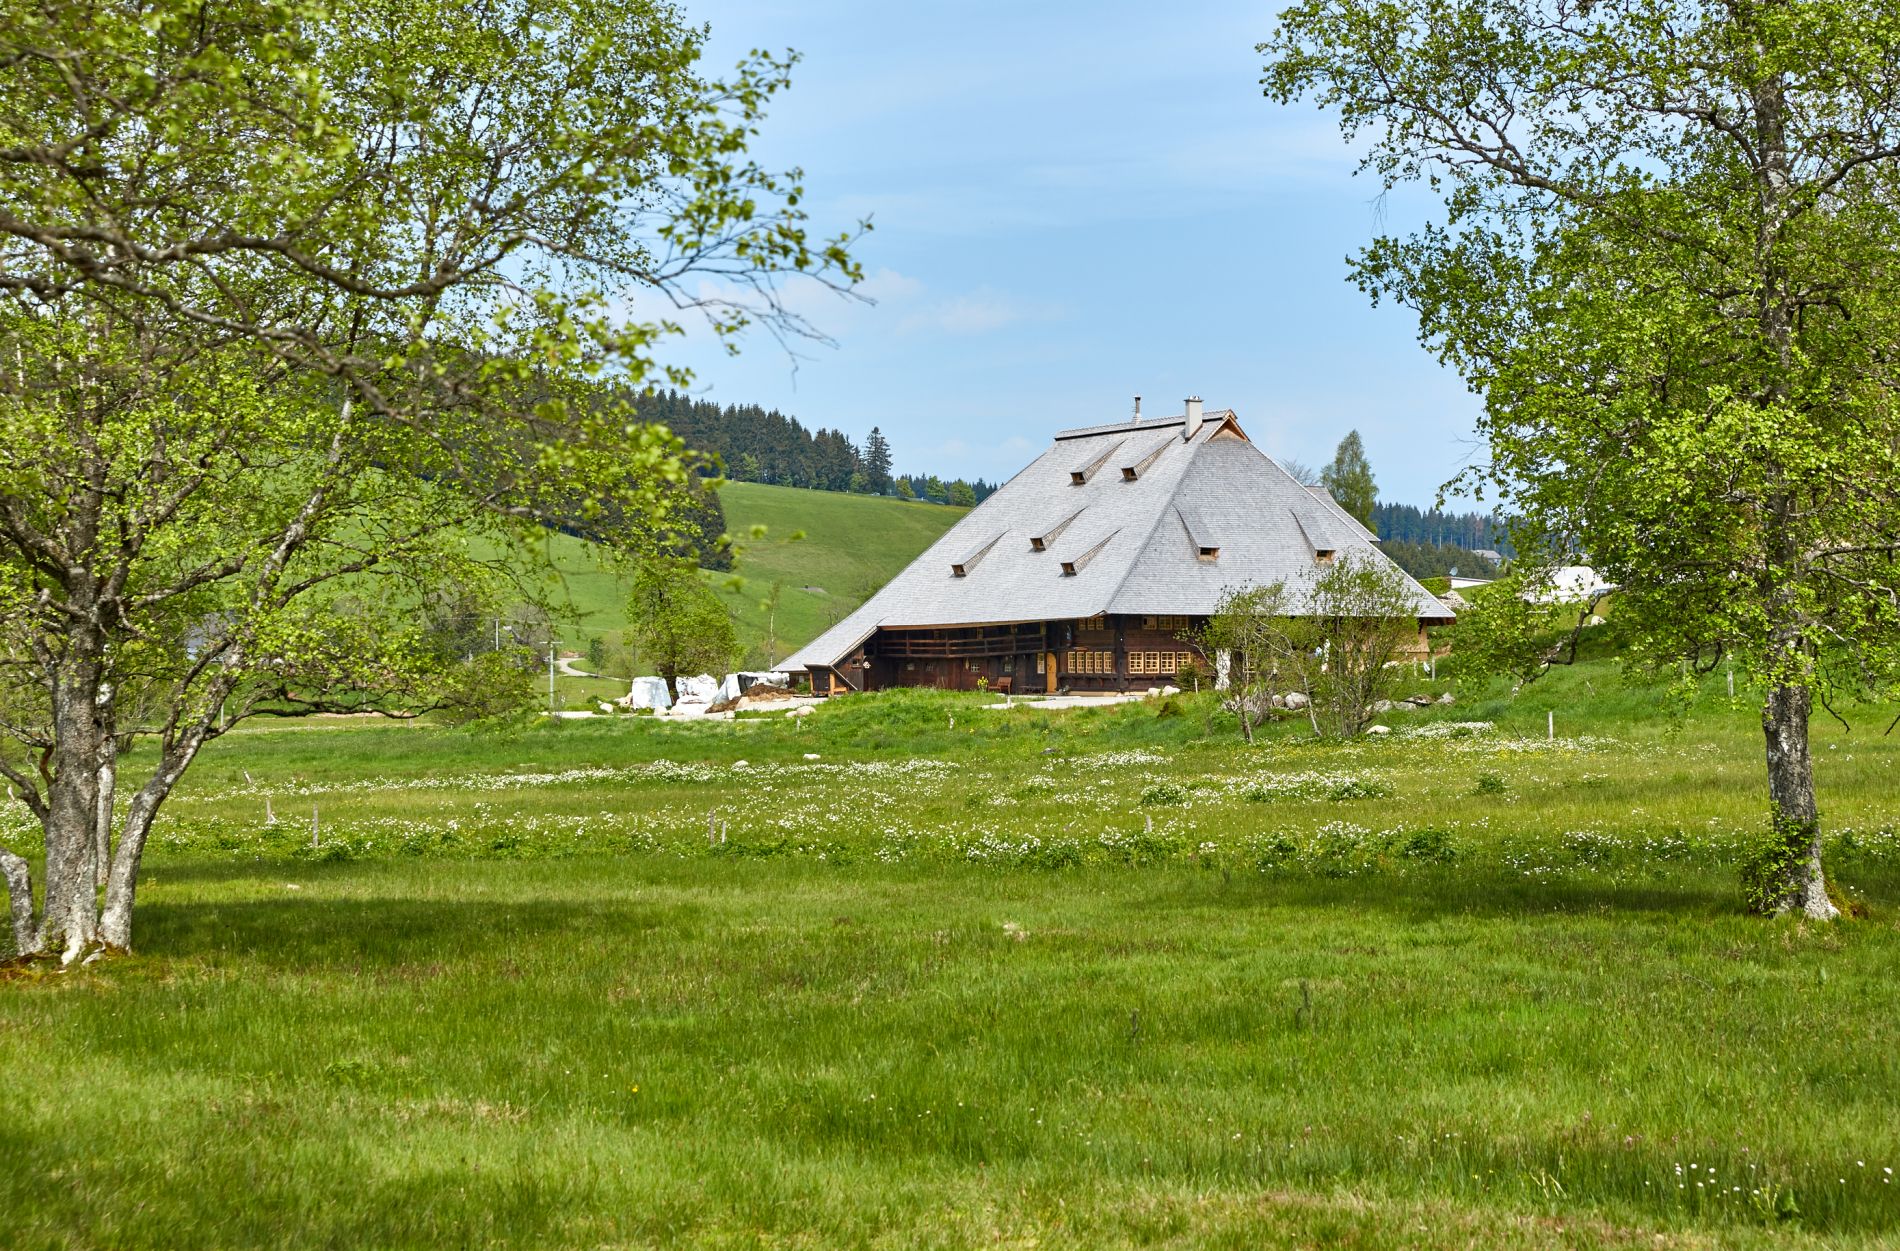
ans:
(877, 461)
(1349, 478)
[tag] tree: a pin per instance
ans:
(904, 491)
(1666, 264)
(877, 461)
(1332, 642)
(1349, 478)
(1302, 473)
(934, 490)
(679, 624)
(769, 605)
(293, 304)
(962, 494)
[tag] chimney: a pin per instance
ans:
(1193, 417)
(1137, 417)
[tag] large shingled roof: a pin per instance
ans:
(1118, 519)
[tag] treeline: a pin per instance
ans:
(754, 444)
(1407, 523)
(1436, 560)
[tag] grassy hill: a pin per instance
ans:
(852, 545)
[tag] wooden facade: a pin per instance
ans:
(1101, 654)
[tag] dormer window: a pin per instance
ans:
(961, 568)
(1082, 473)
(1076, 564)
(1207, 553)
(1041, 542)
(1324, 555)
(1133, 471)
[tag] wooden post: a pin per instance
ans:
(1550, 725)
(313, 826)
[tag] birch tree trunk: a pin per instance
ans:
(1787, 876)
(69, 920)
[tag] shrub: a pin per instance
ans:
(1158, 793)
(1490, 784)
(1431, 846)
(1358, 788)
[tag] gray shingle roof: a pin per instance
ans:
(1131, 541)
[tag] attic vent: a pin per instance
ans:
(1083, 473)
(961, 568)
(1076, 564)
(1320, 536)
(1199, 533)
(1134, 471)
(1041, 542)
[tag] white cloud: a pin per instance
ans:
(977, 312)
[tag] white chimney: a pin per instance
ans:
(1193, 417)
(1137, 417)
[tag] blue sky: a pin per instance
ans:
(1075, 204)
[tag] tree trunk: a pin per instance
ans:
(69, 920)
(1785, 876)
(19, 879)
(115, 922)
(102, 816)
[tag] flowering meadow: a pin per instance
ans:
(921, 972)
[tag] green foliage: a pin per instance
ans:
(1433, 560)
(1159, 793)
(490, 686)
(962, 494)
(1664, 263)
(348, 286)
(679, 626)
(1773, 858)
(1349, 478)
(1334, 642)
(1490, 784)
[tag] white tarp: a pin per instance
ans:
(1571, 584)
(649, 693)
(738, 683)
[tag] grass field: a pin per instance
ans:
(851, 545)
(974, 977)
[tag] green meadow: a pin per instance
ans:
(918, 972)
(826, 551)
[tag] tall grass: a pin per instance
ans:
(976, 976)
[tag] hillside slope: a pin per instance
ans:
(852, 544)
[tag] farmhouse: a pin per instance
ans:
(1091, 569)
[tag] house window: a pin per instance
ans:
(1092, 662)
(1176, 623)
(1093, 623)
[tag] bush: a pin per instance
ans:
(1358, 788)
(1158, 793)
(1489, 784)
(1431, 846)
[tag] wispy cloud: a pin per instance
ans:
(977, 312)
